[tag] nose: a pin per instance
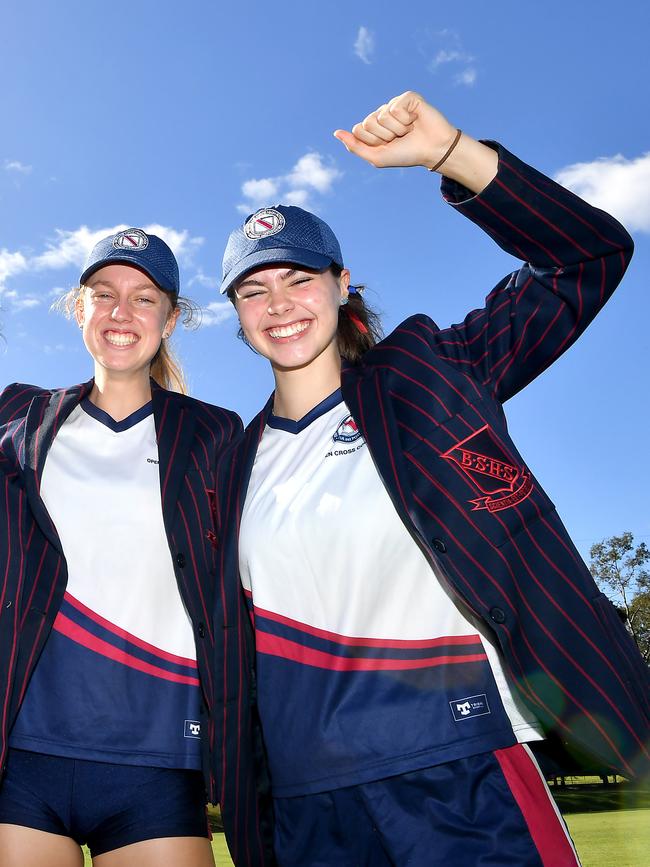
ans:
(280, 301)
(121, 312)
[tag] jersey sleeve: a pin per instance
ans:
(575, 255)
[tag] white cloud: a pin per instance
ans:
(364, 45)
(454, 53)
(297, 197)
(18, 167)
(204, 280)
(216, 312)
(262, 190)
(311, 173)
(616, 184)
(10, 264)
(182, 243)
(467, 76)
(444, 56)
(25, 303)
(70, 248)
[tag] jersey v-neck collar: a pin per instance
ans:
(102, 416)
(295, 427)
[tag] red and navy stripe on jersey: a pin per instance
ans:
(88, 669)
(422, 394)
(358, 710)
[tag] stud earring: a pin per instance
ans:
(343, 300)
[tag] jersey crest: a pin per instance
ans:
(347, 431)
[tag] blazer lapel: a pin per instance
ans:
(252, 437)
(365, 394)
(175, 424)
(45, 415)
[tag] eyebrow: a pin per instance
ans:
(251, 281)
(138, 288)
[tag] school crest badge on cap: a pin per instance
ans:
(264, 223)
(131, 239)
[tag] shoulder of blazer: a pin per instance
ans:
(226, 420)
(415, 335)
(16, 398)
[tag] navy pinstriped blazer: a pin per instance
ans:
(33, 572)
(429, 404)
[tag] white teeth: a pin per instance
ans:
(118, 339)
(288, 330)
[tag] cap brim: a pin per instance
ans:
(123, 258)
(290, 255)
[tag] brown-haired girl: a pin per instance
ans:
(420, 614)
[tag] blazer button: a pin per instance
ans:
(498, 615)
(201, 630)
(439, 545)
(180, 561)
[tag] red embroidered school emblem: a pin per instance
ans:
(491, 470)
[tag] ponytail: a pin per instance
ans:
(359, 327)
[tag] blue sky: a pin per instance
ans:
(184, 116)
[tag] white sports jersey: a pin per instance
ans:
(117, 680)
(366, 667)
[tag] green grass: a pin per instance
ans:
(609, 839)
(219, 848)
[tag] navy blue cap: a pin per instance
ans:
(282, 233)
(149, 253)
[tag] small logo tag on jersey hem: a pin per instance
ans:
(466, 708)
(192, 728)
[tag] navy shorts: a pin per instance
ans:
(492, 809)
(102, 805)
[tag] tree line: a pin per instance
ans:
(620, 568)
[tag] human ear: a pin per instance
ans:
(172, 319)
(79, 309)
(344, 282)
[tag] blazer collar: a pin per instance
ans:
(49, 410)
(366, 395)
(251, 440)
(46, 413)
(175, 424)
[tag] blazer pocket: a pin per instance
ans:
(469, 471)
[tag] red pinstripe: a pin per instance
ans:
(559, 204)
(518, 230)
(190, 547)
(421, 385)
(430, 367)
(541, 217)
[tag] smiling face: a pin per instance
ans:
(290, 315)
(124, 316)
